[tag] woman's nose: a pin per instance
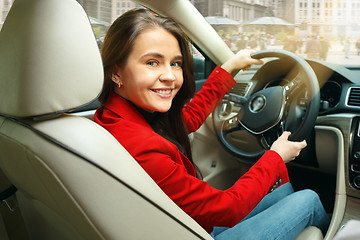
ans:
(167, 75)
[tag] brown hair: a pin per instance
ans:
(117, 46)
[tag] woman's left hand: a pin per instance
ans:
(240, 61)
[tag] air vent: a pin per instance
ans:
(354, 97)
(240, 89)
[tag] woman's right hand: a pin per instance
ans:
(288, 150)
(240, 61)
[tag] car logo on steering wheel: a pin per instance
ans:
(257, 104)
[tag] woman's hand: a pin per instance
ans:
(240, 61)
(286, 149)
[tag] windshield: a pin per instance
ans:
(326, 30)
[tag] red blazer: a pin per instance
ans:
(175, 174)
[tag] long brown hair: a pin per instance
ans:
(117, 46)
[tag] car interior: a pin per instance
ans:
(62, 176)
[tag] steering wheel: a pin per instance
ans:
(269, 110)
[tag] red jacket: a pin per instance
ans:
(175, 174)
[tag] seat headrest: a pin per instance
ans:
(49, 60)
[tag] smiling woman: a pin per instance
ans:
(75, 180)
(152, 74)
(145, 112)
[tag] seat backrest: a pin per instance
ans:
(74, 180)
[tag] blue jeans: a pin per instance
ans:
(282, 214)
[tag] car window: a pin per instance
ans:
(327, 30)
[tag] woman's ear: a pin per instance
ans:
(115, 77)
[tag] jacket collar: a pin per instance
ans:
(124, 109)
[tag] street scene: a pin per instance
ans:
(320, 29)
(340, 51)
(267, 24)
(336, 53)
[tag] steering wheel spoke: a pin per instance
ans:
(231, 124)
(263, 141)
(292, 87)
(266, 139)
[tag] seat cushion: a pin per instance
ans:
(310, 233)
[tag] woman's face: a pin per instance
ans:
(152, 74)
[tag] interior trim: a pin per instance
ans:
(340, 197)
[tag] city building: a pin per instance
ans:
(329, 18)
(282, 9)
(119, 7)
(99, 9)
(238, 10)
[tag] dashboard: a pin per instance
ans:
(339, 85)
(339, 88)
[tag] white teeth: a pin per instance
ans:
(163, 91)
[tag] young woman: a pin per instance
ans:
(149, 81)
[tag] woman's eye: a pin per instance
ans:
(152, 63)
(177, 64)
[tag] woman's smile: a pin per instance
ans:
(163, 93)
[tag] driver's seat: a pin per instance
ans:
(74, 180)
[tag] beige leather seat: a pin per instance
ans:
(74, 180)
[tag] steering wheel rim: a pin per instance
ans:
(303, 129)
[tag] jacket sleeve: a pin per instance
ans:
(213, 207)
(205, 101)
